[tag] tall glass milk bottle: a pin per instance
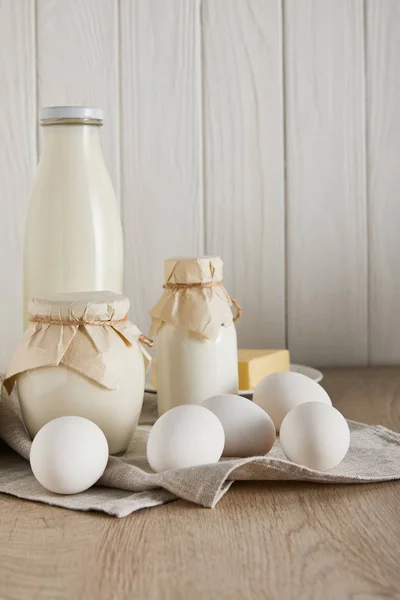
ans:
(73, 236)
(196, 346)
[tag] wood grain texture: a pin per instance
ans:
(161, 142)
(77, 63)
(326, 182)
(264, 540)
(17, 158)
(383, 85)
(244, 160)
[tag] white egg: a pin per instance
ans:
(279, 393)
(68, 455)
(249, 431)
(315, 435)
(185, 436)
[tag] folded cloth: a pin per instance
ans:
(128, 483)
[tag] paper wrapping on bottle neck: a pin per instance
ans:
(81, 331)
(198, 309)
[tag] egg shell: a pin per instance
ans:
(279, 393)
(68, 455)
(249, 431)
(185, 436)
(315, 435)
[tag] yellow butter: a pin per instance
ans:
(254, 365)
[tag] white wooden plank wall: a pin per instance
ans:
(326, 183)
(383, 71)
(244, 159)
(160, 141)
(267, 131)
(17, 158)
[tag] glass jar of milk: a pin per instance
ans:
(81, 356)
(73, 236)
(196, 345)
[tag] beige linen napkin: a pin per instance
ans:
(129, 485)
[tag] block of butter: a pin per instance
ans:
(253, 366)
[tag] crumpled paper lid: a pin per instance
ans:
(82, 331)
(194, 297)
(203, 269)
(81, 306)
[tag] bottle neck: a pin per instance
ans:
(82, 142)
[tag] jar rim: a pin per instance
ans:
(64, 115)
(81, 307)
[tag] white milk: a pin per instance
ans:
(95, 370)
(50, 392)
(191, 369)
(196, 343)
(73, 236)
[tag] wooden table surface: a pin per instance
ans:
(269, 541)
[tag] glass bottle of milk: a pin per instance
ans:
(196, 346)
(73, 236)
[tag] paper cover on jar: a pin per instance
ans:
(79, 331)
(194, 297)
